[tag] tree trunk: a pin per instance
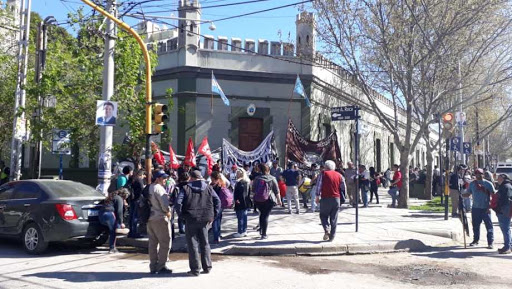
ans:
(403, 201)
(428, 182)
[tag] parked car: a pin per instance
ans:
(43, 211)
(503, 168)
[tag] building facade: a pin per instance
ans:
(260, 73)
(9, 21)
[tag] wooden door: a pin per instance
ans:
(250, 133)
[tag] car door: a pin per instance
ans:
(6, 220)
(25, 200)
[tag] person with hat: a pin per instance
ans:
(199, 205)
(276, 170)
(481, 190)
(503, 211)
(158, 227)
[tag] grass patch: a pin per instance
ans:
(433, 205)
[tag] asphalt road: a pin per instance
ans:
(69, 266)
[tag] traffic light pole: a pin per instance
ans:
(147, 60)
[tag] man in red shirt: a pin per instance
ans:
(331, 188)
(396, 185)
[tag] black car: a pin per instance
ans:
(43, 211)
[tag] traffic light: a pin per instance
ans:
(160, 118)
(448, 122)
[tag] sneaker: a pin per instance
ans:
(237, 235)
(473, 244)
(244, 234)
(503, 251)
(297, 212)
(264, 237)
(165, 270)
(490, 246)
(206, 271)
(193, 273)
(327, 236)
(113, 251)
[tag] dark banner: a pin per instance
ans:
(306, 152)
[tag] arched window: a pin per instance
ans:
(299, 39)
(307, 39)
(191, 27)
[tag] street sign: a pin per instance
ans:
(466, 148)
(455, 144)
(344, 113)
(61, 141)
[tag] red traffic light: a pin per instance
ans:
(448, 117)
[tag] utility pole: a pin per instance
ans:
(105, 157)
(461, 123)
(19, 121)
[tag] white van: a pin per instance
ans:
(503, 168)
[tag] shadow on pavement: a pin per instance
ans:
(82, 277)
(258, 243)
(459, 253)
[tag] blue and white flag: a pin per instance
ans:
(299, 89)
(217, 90)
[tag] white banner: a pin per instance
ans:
(264, 153)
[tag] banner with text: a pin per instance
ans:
(264, 153)
(305, 152)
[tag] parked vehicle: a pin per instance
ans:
(503, 168)
(43, 211)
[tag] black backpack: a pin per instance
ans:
(144, 206)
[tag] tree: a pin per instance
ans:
(422, 55)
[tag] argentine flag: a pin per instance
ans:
(217, 90)
(299, 89)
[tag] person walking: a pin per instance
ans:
(276, 170)
(266, 195)
(242, 202)
(111, 215)
(364, 183)
(481, 191)
(217, 184)
(395, 186)
(374, 184)
(455, 183)
(292, 179)
(199, 205)
(314, 178)
(350, 177)
(330, 188)
(504, 211)
(158, 227)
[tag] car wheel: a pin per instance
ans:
(100, 240)
(33, 240)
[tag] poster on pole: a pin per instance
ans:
(305, 152)
(106, 113)
(264, 153)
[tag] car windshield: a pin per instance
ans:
(69, 189)
(504, 170)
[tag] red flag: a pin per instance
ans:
(174, 161)
(157, 154)
(204, 149)
(190, 155)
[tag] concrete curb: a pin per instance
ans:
(306, 250)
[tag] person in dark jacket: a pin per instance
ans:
(374, 185)
(217, 184)
(111, 215)
(503, 211)
(137, 185)
(266, 207)
(199, 205)
(242, 201)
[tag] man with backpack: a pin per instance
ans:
(199, 205)
(158, 226)
(332, 190)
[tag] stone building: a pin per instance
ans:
(9, 17)
(263, 74)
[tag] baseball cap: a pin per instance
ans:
(196, 174)
(234, 167)
(160, 174)
(479, 171)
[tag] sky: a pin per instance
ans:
(267, 25)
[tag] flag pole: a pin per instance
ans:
(211, 98)
(290, 102)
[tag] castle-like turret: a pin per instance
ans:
(306, 35)
(189, 29)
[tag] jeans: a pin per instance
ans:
(364, 192)
(374, 191)
(134, 218)
(329, 215)
(108, 219)
(393, 192)
(241, 215)
(265, 209)
(197, 244)
(216, 226)
(505, 229)
(313, 200)
(480, 215)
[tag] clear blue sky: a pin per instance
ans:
(264, 25)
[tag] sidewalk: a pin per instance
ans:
(381, 229)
